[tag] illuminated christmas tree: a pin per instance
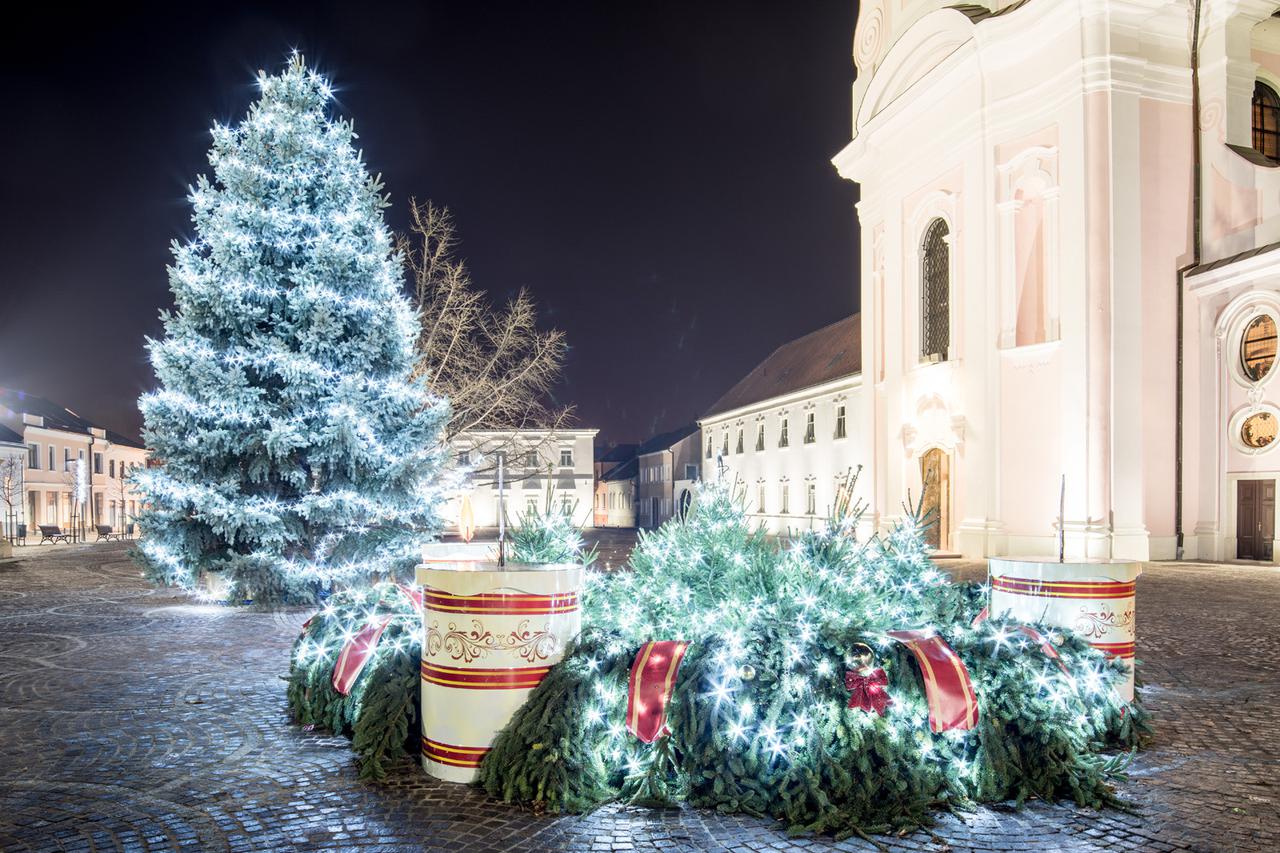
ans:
(295, 452)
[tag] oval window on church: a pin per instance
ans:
(1258, 430)
(1258, 347)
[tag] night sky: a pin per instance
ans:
(656, 173)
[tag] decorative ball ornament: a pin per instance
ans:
(860, 656)
(747, 672)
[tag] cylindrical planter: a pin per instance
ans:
(490, 634)
(1094, 598)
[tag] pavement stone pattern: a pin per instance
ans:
(135, 719)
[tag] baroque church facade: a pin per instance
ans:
(1069, 296)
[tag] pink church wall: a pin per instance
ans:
(1166, 199)
(1030, 451)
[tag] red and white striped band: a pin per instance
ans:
(500, 604)
(456, 756)
(502, 678)
(1064, 589)
(1119, 650)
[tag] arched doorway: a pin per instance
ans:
(935, 507)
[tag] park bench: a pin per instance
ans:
(105, 532)
(52, 533)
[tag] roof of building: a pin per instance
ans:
(832, 352)
(626, 471)
(8, 435)
(616, 453)
(665, 440)
(57, 417)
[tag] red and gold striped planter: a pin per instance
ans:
(490, 634)
(1096, 599)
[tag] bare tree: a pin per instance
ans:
(494, 364)
(12, 471)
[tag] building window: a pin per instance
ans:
(566, 505)
(935, 293)
(111, 468)
(709, 451)
(840, 433)
(464, 458)
(760, 498)
(811, 498)
(810, 432)
(97, 507)
(33, 456)
(566, 457)
(1258, 347)
(691, 472)
(738, 449)
(1266, 120)
(51, 507)
(785, 508)
(531, 459)
(724, 443)
(66, 459)
(783, 438)
(53, 465)
(531, 507)
(760, 436)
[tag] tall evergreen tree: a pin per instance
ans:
(295, 450)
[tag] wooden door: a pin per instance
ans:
(934, 507)
(1255, 519)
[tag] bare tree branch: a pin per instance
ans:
(495, 366)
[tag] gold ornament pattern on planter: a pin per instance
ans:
(466, 646)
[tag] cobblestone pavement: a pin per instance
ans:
(132, 718)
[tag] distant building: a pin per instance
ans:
(616, 495)
(662, 461)
(538, 466)
(608, 459)
(783, 433)
(56, 441)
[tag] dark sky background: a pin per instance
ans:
(656, 173)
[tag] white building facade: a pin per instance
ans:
(59, 444)
(1048, 291)
(538, 466)
(783, 435)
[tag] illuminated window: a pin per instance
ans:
(840, 433)
(760, 495)
(1266, 120)
(783, 439)
(811, 498)
(760, 436)
(1258, 430)
(786, 499)
(810, 432)
(935, 293)
(1258, 347)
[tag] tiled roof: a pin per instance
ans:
(617, 453)
(832, 352)
(55, 416)
(666, 439)
(625, 471)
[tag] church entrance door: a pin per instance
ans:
(935, 475)
(1255, 519)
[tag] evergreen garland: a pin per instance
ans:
(758, 719)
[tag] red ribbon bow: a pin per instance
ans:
(867, 692)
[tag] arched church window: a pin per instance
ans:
(935, 293)
(1266, 120)
(1258, 347)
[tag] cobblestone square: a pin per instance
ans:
(135, 719)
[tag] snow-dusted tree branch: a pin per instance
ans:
(494, 364)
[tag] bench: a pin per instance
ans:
(52, 533)
(104, 532)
